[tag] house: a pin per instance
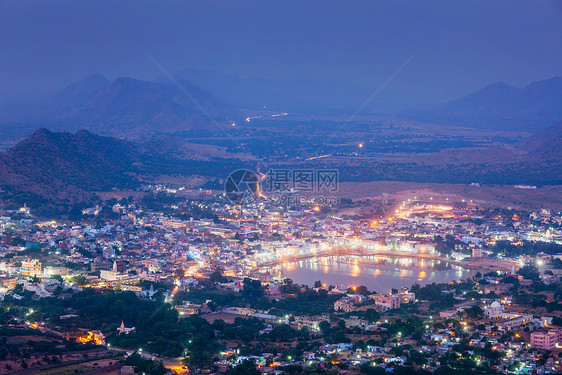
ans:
(546, 340)
(189, 309)
(387, 302)
(344, 304)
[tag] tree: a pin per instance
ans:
(474, 312)
(247, 367)
(288, 287)
(252, 289)
(362, 289)
(372, 315)
(217, 277)
(78, 279)
(145, 365)
(370, 368)
(324, 326)
(529, 272)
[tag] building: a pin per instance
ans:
(8, 282)
(188, 309)
(312, 323)
(124, 330)
(119, 266)
(505, 320)
(388, 302)
(496, 288)
(109, 275)
(406, 296)
(512, 321)
(493, 311)
(31, 267)
(546, 340)
(245, 311)
(50, 270)
(344, 304)
(477, 252)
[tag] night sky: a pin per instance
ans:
(457, 46)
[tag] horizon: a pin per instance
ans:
(46, 48)
(165, 80)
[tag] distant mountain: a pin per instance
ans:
(546, 145)
(126, 107)
(77, 94)
(501, 107)
(302, 95)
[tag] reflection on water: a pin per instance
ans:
(376, 273)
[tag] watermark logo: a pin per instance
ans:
(283, 186)
(301, 180)
(242, 187)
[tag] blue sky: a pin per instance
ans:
(458, 46)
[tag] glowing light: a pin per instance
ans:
(360, 145)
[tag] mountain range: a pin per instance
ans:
(501, 107)
(299, 95)
(132, 108)
(126, 107)
(51, 170)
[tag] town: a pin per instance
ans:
(185, 281)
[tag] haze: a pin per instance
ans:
(456, 48)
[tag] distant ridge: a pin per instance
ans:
(546, 144)
(126, 107)
(501, 107)
(77, 94)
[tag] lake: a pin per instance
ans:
(376, 273)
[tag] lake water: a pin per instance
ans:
(377, 274)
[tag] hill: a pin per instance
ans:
(501, 107)
(546, 145)
(65, 168)
(126, 107)
(53, 171)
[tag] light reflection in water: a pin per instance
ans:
(355, 271)
(378, 274)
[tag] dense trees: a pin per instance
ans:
(245, 368)
(146, 366)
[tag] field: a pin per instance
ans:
(487, 196)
